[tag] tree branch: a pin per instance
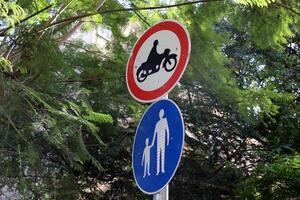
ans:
(77, 26)
(288, 8)
(139, 15)
(81, 80)
(74, 18)
(98, 53)
(55, 16)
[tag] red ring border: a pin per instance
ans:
(184, 39)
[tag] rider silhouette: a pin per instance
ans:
(154, 59)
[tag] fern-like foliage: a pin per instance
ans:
(270, 180)
(5, 65)
(10, 12)
(259, 3)
(80, 154)
(73, 147)
(98, 117)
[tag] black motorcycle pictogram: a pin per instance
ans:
(154, 61)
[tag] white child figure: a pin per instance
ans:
(146, 158)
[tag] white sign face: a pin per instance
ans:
(166, 40)
(158, 61)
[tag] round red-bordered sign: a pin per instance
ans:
(147, 84)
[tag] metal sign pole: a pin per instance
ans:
(164, 193)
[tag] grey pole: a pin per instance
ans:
(163, 194)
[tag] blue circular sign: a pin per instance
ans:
(157, 146)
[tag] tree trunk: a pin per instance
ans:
(2, 46)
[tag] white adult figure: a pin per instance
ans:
(161, 133)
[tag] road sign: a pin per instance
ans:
(158, 61)
(157, 146)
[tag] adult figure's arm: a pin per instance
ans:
(153, 139)
(168, 132)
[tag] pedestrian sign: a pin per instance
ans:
(157, 146)
(158, 61)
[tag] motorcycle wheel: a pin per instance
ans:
(170, 62)
(141, 75)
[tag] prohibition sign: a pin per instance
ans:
(158, 61)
